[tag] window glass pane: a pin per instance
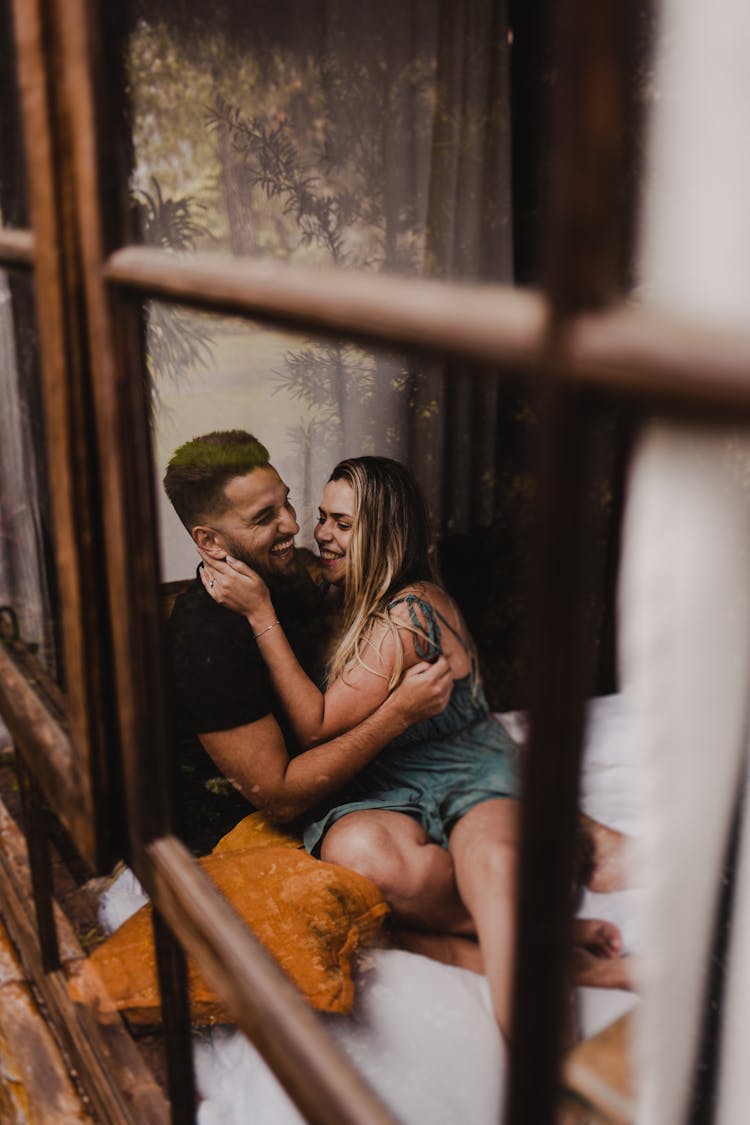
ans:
(369, 136)
(13, 207)
(311, 402)
(28, 596)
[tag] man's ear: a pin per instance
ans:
(209, 541)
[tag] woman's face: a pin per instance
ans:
(333, 531)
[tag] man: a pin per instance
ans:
(235, 747)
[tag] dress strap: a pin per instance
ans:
(428, 634)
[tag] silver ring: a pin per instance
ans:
(211, 581)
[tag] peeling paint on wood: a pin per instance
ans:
(35, 1086)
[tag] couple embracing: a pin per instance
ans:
(342, 693)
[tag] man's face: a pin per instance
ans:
(259, 527)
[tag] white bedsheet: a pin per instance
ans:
(423, 1033)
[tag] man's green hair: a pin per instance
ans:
(199, 469)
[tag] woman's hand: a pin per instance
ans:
(233, 584)
(424, 690)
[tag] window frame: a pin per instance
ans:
(72, 754)
(583, 348)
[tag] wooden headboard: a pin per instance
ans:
(169, 591)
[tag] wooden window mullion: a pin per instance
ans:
(171, 965)
(85, 660)
(584, 272)
(630, 353)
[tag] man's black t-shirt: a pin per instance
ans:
(219, 681)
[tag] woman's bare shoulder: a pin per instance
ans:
(428, 592)
(417, 601)
(420, 615)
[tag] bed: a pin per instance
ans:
(421, 1032)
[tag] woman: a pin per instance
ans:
(452, 779)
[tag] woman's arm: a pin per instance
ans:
(315, 716)
(255, 758)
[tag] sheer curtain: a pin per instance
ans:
(468, 236)
(685, 600)
(371, 136)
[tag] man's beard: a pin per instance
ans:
(274, 579)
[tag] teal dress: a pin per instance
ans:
(437, 769)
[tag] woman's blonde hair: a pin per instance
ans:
(389, 550)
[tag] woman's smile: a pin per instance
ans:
(333, 531)
(330, 556)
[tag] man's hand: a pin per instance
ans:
(424, 691)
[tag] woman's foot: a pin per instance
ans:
(597, 959)
(597, 952)
(599, 937)
(603, 972)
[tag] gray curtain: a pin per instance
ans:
(452, 166)
(368, 136)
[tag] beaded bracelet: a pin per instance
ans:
(267, 629)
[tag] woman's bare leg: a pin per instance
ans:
(414, 874)
(450, 949)
(484, 846)
(610, 861)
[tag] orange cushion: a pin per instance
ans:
(311, 916)
(254, 831)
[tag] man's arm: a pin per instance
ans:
(255, 759)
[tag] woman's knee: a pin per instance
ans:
(401, 861)
(355, 842)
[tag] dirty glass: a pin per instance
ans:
(368, 136)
